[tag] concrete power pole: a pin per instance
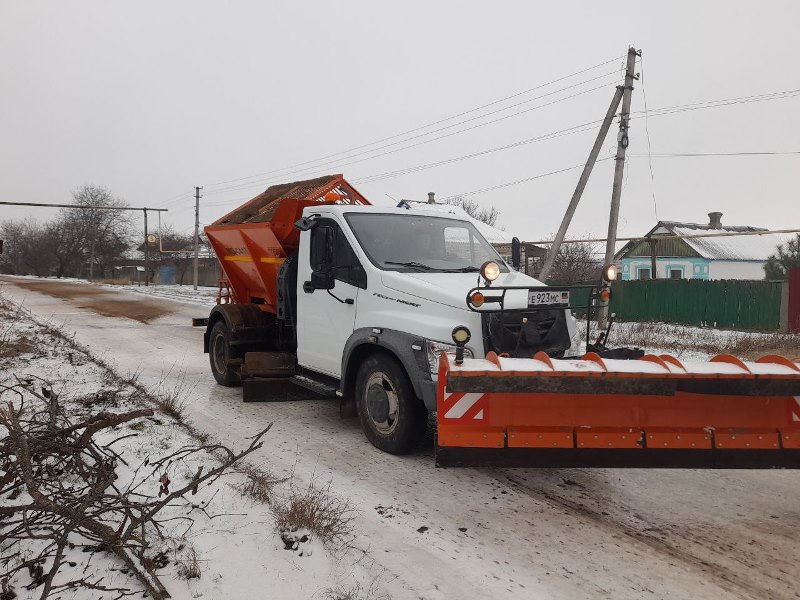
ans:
(146, 261)
(576, 195)
(196, 231)
(619, 166)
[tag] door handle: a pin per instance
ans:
(307, 287)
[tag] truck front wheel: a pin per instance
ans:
(391, 415)
(219, 354)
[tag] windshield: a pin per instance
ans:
(422, 243)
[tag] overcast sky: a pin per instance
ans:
(153, 98)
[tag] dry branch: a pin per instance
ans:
(70, 480)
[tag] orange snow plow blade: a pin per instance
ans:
(656, 411)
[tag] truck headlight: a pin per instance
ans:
(490, 271)
(434, 350)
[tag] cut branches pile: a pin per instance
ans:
(60, 490)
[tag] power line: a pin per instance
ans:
(649, 149)
(337, 164)
(705, 154)
(552, 135)
(518, 181)
(674, 109)
(668, 110)
(661, 111)
(427, 125)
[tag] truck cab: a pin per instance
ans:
(367, 303)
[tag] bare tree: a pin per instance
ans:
(11, 259)
(106, 233)
(486, 214)
(576, 263)
(24, 250)
(74, 238)
(64, 243)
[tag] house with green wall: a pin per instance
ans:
(723, 257)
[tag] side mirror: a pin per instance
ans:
(306, 223)
(322, 280)
(516, 253)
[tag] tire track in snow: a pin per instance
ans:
(735, 582)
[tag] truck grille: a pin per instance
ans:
(523, 334)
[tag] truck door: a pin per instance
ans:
(326, 317)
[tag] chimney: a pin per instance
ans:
(715, 220)
(430, 198)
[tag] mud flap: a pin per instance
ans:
(265, 377)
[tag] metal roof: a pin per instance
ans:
(746, 247)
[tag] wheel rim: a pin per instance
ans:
(381, 402)
(219, 352)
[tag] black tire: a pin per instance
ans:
(392, 417)
(219, 355)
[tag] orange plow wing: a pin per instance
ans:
(653, 412)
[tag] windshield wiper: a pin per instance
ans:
(462, 270)
(412, 264)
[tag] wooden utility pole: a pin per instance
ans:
(653, 255)
(576, 195)
(619, 167)
(196, 231)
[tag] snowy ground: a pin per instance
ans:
(472, 533)
(234, 538)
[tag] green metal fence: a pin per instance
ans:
(726, 304)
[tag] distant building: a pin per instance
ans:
(726, 257)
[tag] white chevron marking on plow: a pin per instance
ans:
(796, 411)
(462, 405)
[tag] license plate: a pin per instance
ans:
(548, 298)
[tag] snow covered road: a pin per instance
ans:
(468, 533)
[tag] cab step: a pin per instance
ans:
(320, 384)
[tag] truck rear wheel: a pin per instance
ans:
(391, 415)
(219, 354)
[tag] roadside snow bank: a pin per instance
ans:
(222, 542)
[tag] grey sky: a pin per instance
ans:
(152, 98)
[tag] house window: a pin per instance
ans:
(676, 274)
(643, 273)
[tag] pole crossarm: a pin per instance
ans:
(82, 206)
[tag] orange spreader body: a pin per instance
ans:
(655, 411)
(253, 241)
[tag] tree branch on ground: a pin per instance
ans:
(62, 486)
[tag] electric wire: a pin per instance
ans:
(668, 110)
(649, 149)
(705, 154)
(427, 125)
(547, 136)
(709, 104)
(339, 162)
(518, 181)
(661, 111)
